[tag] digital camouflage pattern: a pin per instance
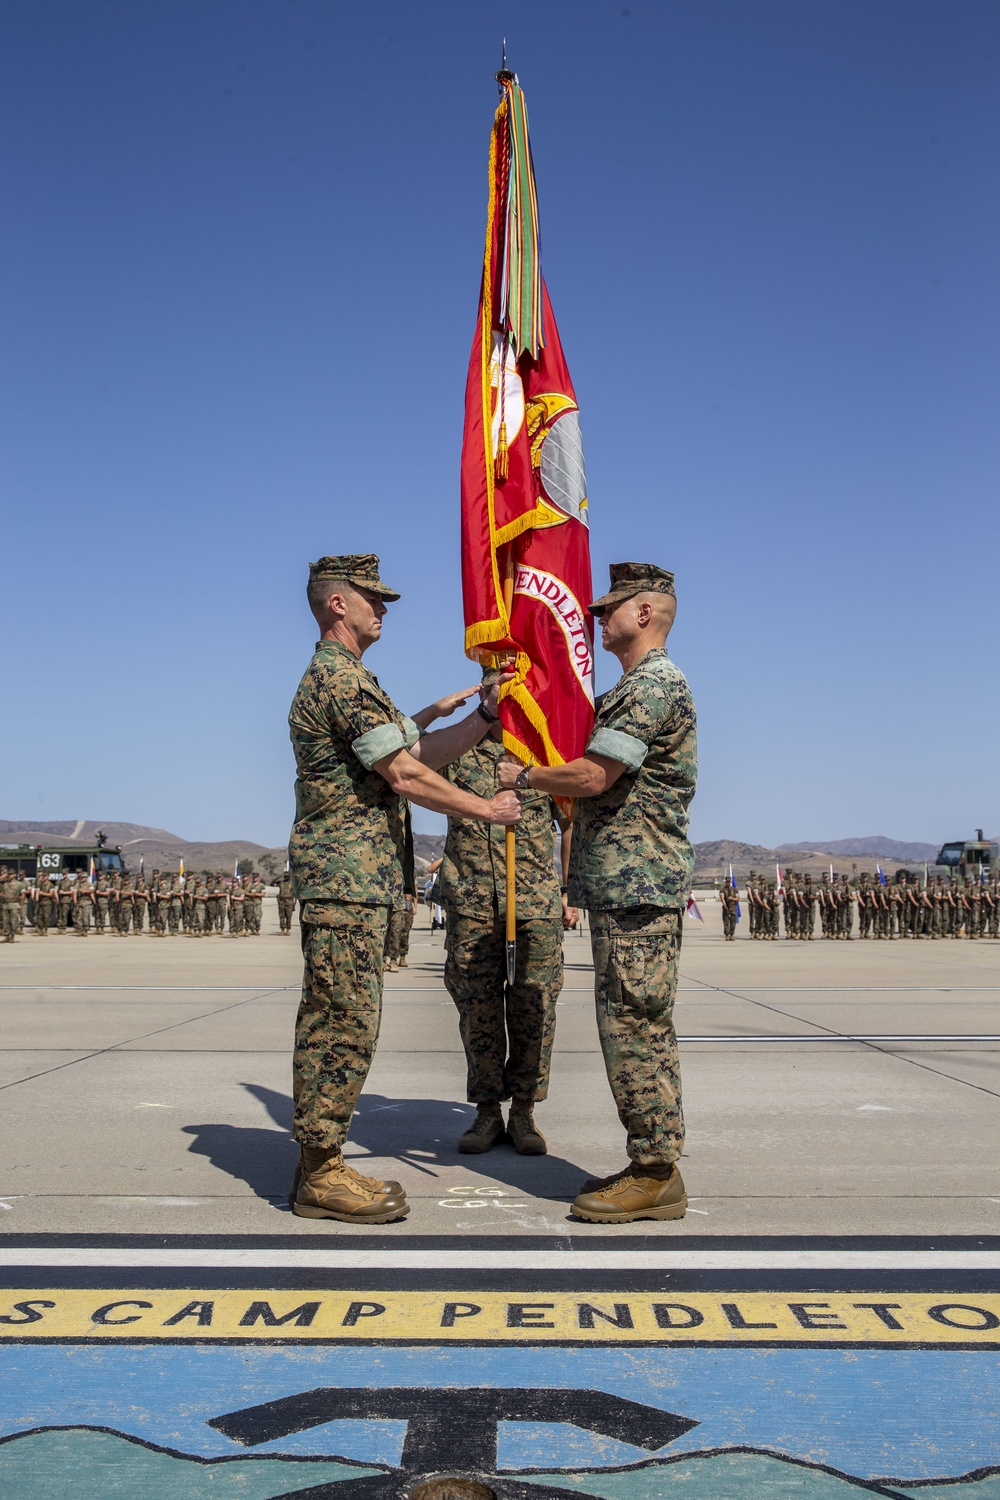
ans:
(474, 869)
(254, 906)
(359, 568)
(730, 898)
(286, 901)
(636, 954)
(12, 894)
(397, 941)
(507, 1031)
(64, 909)
(45, 902)
(339, 1016)
(83, 907)
(347, 842)
(629, 579)
(630, 845)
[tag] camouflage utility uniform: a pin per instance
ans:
(45, 901)
(237, 910)
(83, 906)
(631, 866)
(730, 898)
(12, 896)
(346, 858)
(64, 906)
(286, 901)
(397, 937)
(507, 1030)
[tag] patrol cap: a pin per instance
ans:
(359, 568)
(631, 578)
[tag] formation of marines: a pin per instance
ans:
(166, 906)
(842, 908)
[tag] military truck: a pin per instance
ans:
(57, 860)
(975, 857)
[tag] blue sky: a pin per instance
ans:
(239, 288)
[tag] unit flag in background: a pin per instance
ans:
(525, 544)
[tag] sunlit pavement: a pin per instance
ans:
(843, 1105)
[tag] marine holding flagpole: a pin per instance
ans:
(630, 867)
(357, 760)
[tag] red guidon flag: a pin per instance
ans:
(525, 543)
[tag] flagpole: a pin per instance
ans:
(511, 868)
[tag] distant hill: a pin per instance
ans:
(163, 850)
(878, 846)
(159, 849)
(427, 847)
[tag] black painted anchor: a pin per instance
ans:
(449, 1432)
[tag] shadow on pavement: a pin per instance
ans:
(417, 1133)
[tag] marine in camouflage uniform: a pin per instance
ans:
(823, 894)
(45, 904)
(199, 908)
(730, 898)
(286, 901)
(867, 909)
(83, 906)
(507, 1030)
(175, 906)
(237, 910)
(808, 895)
(630, 866)
(346, 852)
(123, 907)
(251, 914)
(102, 903)
(752, 903)
(64, 907)
(13, 892)
(140, 901)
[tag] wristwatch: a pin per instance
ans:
(522, 783)
(483, 713)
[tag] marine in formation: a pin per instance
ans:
(866, 907)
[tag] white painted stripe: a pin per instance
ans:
(679, 1259)
(735, 992)
(873, 1036)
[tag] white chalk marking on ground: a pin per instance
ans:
(538, 1260)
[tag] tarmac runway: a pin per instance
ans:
(826, 1319)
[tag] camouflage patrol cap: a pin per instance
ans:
(359, 568)
(633, 578)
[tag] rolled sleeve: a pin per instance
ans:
(616, 745)
(411, 732)
(377, 743)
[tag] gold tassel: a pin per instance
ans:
(500, 461)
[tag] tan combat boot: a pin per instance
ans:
(631, 1194)
(522, 1132)
(389, 1186)
(484, 1132)
(328, 1188)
